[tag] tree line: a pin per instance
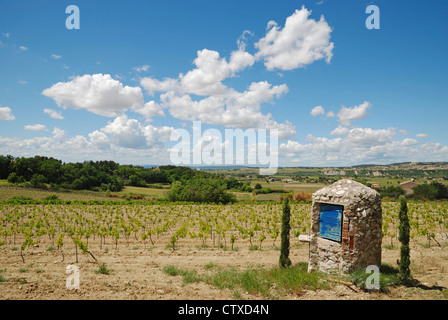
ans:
(47, 172)
(426, 191)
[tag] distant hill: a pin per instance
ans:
(406, 170)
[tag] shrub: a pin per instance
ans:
(103, 269)
(425, 191)
(38, 181)
(201, 190)
(52, 197)
(302, 196)
(392, 191)
(262, 191)
(15, 178)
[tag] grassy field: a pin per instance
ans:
(8, 191)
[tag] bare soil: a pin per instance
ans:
(137, 272)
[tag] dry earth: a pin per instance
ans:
(137, 273)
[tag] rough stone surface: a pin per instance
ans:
(361, 229)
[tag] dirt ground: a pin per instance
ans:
(137, 273)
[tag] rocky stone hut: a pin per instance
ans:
(346, 228)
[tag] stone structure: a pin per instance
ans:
(346, 228)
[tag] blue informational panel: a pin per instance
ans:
(330, 221)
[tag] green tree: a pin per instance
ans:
(442, 190)
(392, 191)
(426, 191)
(52, 170)
(14, 178)
(38, 181)
(201, 190)
(284, 261)
(5, 166)
(404, 273)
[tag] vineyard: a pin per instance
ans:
(134, 250)
(255, 225)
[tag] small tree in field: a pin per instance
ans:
(404, 272)
(284, 261)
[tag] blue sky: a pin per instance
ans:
(136, 71)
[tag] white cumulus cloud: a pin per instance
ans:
(6, 113)
(130, 133)
(317, 111)
(301, 42)
(54, 114)
(98, 93)
(347, 115)
(35, 127)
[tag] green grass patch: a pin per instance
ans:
(276, 282)
(103, 269)
(188, 275)
(388, 277)
(268, 282)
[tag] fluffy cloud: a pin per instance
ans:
(219, 105)
(152, 85)
(100, 140)
(130, 133)
(210, 70)
(57, 144)
(6, 113)
(98, 93)
(150, 109)
(54, 114)
(365, 136)
(98, 145)
(360, 146)
(301, 42)
(36, 127)
(317, 111)
(127, 133)
(233, 109)
(347, 115)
